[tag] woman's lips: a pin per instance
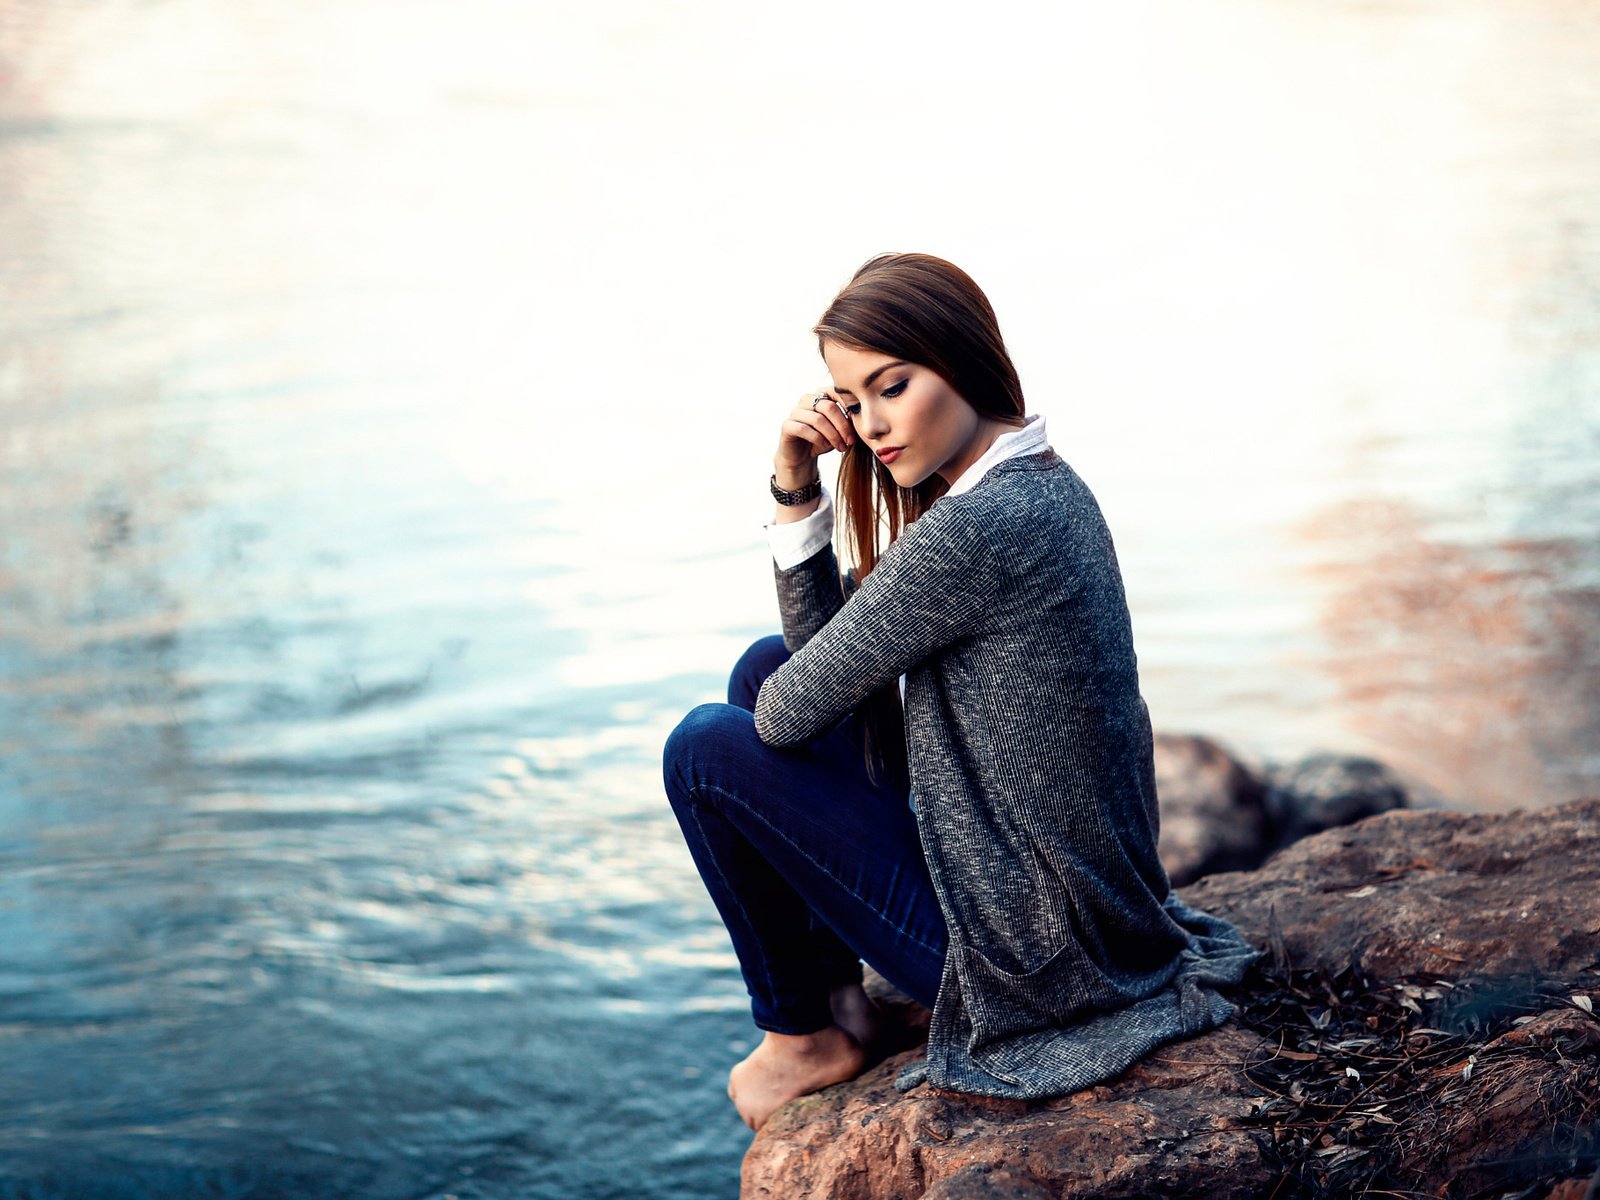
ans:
(889, 454)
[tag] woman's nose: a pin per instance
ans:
(870, 423)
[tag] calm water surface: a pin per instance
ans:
(386, 392)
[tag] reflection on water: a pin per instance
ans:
(384, 397)
(1473, 664)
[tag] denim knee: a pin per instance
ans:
(692, 743)
(764, 656)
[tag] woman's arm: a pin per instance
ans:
(816, 425)
(808, 588)
(809, 593)
(931, 588)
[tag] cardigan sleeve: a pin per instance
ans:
(930, 588)
(808, 595)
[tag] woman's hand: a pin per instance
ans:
(811, 429)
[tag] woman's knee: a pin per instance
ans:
(701, 742)
(764, 656)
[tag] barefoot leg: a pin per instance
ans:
(784, 1066)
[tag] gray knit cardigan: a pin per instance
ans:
(1030, 758)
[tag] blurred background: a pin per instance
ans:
(387, 399)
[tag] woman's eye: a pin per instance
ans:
(894, 389)
(853, 410)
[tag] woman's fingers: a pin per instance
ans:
(814, 433)
(826, 418)
(830, 408)
(815, 425)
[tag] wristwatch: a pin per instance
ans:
(799, 496)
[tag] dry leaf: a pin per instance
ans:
(1297, 1055)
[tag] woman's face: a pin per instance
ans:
(906, 414)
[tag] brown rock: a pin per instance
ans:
(1407, 893)
(1587, 1188)
(1219, 815)
(1508, 1095)
(1456, 894)
(1170, 1119)
(1213, 810)
(983, 1183)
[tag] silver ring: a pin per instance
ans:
(818, 399)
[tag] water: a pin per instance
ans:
(385, 397)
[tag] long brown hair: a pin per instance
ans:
(927, 311)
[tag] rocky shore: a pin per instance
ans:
(1422, 1022)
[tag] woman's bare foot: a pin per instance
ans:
(784, 1066)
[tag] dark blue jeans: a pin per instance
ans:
(812, 866)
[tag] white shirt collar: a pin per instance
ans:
(1029, 439)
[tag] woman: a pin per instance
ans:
(992, 852)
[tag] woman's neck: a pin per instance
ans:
(989, 429)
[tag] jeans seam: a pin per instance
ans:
(731, 891)
(800, 850)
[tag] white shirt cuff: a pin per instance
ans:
(795, 541)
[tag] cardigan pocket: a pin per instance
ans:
(1004, 1007)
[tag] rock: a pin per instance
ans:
(1172, 1118)
(1219, 815)
(1213, 810)
(1457, 894)
(1406, 893)
(1587, 1188)
(1326, 791)
(982, 1183)
(1505, 1102)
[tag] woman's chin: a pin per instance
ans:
(904, 474)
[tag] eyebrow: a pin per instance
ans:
(867, 382)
